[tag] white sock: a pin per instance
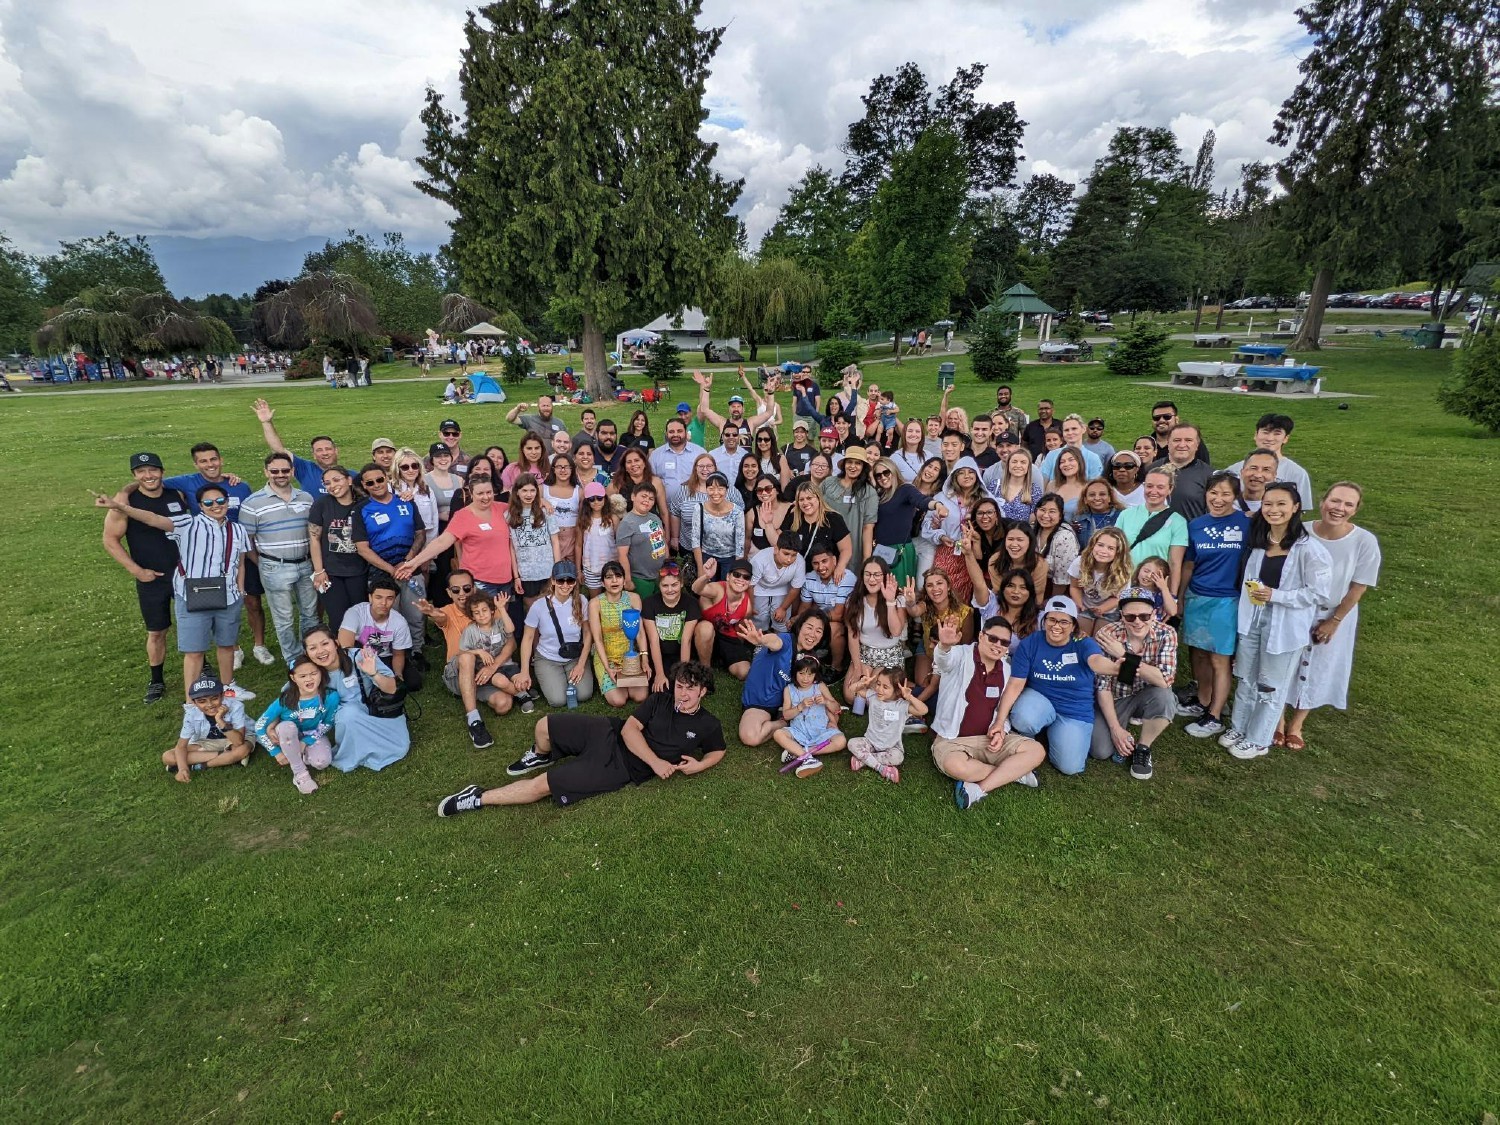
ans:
(975, 792)
(471, 716)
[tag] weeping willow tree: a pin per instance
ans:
(318, 308)
(461, 313)
(765, 299)
(129, 324)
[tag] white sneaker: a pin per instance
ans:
(1231, 738)
(239, 658)
(1244, 750)
(1028, 780)
(262, 654)
(1206, 727)
(244, 695)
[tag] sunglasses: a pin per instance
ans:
(564, 581)
(994, 640)
(597, 499)
(410, 465)
(278, 472)
(765, 492)
(763, 441)
(450, 433)
(1121, 465)
(1162, 417)
(219, 503)
(460, 589)
(371, 482)
(882, 474)
(668, 568)
(1136, 616)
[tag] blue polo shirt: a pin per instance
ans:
(390, 528)
(189, 484)
(1216, 547)
(310, 476)
(1061, 674)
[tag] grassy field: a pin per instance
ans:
(1305, 937)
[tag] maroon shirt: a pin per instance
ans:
(979, 705)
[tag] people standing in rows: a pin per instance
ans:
(1272, 432)
(641, 540)
(276, 519)
(543, 422)
(1189, 474)
(636, 469)
(1126, 476)
(565, 498)
(1013, 485)
(1099, 508)
(532, 460)
(309, 474)
(1163, 418)
(1034, 434)
(1094, 441)
(850, 495)
(1153, 528)
(388, 537)
(764, 516)
(1056, 542)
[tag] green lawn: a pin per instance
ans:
(1306, 937)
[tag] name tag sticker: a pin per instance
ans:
(992, 693)
(888, 714)
(173, 507)
(380, 519)
(485, 527)
(1070, 658)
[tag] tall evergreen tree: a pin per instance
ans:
(20, 298)
(576, 171)
(814, 226)
(1392, 93)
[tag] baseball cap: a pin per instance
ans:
(592, 489)
(1092, 421)
(828, 431)
(740, 566)
(564, 569)
(801, 424)
(1137, 594)
(1060, 604)
(438, 449)
(684, 408)
(449, 424)
(736, 399)
(382, 443)
(145, 461)
(205, 687)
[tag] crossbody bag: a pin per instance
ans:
(206, 595)
(568, 650)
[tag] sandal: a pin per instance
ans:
(1279, 739)
(1294, 742)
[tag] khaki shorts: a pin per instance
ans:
(976, 747)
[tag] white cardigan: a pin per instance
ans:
(956, 666)
(1306, 578)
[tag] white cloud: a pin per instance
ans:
(276, 119)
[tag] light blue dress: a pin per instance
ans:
(360, 739)
(811, 726)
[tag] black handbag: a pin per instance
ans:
(208, 595)
(382, 704)
(568, 650)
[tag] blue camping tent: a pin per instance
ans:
(485, 388)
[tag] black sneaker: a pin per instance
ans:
(529, 762)
(1187, 693)
(154, 692)
(465, 800)
(1140, 763)
(479, 735)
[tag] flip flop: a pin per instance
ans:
(1294, 742)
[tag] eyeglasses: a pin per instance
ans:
(371, 482)
(1162, 417)
(219, 503)
(1136, 616)
(993, 639)
(460, 589)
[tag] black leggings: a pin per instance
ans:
(346, 591)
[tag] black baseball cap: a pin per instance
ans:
(438, 449)
(449, 424)
(145, 461)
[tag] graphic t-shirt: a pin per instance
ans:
(672, 735)
(339, 524)
(1061, 674)
(670, 622)
(645, 540)
(385, 637)
(1215, 548)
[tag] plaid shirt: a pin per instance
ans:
(1160, 650)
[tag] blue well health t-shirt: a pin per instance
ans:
(1061, 674)
(1215, 548)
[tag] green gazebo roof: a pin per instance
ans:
(1020, 299)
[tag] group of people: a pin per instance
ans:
(1018, 587)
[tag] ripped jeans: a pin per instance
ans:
(1265, 681)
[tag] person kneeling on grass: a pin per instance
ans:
(297, 725)
(971, 743)
(1144, 652)
(812, 718)
(888, 705)
(213, 731)
(477, 674)
(669, 734)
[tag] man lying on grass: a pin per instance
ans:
(669, 733)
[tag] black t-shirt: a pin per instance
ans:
(671, 735)
(895, 517)
(830, 534)
(985, 459)
(638, 441)
(341, 530)
(148, 546)
(1034, 436)
(669, 622)
(798, 459)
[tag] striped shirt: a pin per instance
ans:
(277, 527)
(200, 543)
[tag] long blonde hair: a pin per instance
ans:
(1116, 574)
(1006, 478)
(807, 488)
(401, 455)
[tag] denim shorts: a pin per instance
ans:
(202, 630)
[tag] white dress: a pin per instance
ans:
(1323, 676)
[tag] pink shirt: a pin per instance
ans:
(485, 543)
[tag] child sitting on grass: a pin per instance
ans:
(889, 702)
(295, 728)
(812, 716)
(213, 731)
(1096, 577)
(475, 675)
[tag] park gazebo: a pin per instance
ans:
(1021, 301)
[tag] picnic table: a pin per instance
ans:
(1200, 374)
(1212, 340)
(1258, 353)
(1297, 379)
(1054, 351)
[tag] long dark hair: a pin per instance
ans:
(1026, 618)
(346, 663)
(291, 695)
(1260, 530)
(884, 611)
(466, 492)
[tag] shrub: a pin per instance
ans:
(834, 355)
(516, 367)
(1071, 329)
(663, 361)
(1474, 390)
(992, 348)
(1141, 352)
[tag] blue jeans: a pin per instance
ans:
(1067, 739)
(286, 583)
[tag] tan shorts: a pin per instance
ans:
(211, 746)
(976, 747)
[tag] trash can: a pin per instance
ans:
(1428, 334)
(945, 375)
(387, 355)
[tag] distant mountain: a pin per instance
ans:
(196, 267)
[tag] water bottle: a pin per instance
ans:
(572, 696)
(859, 704)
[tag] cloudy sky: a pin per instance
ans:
(279, 120)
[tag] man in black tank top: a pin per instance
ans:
(149, 556)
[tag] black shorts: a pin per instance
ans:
(532, 590)
(732, 650)
(156, 603)
(595, 761)
(253, 587)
